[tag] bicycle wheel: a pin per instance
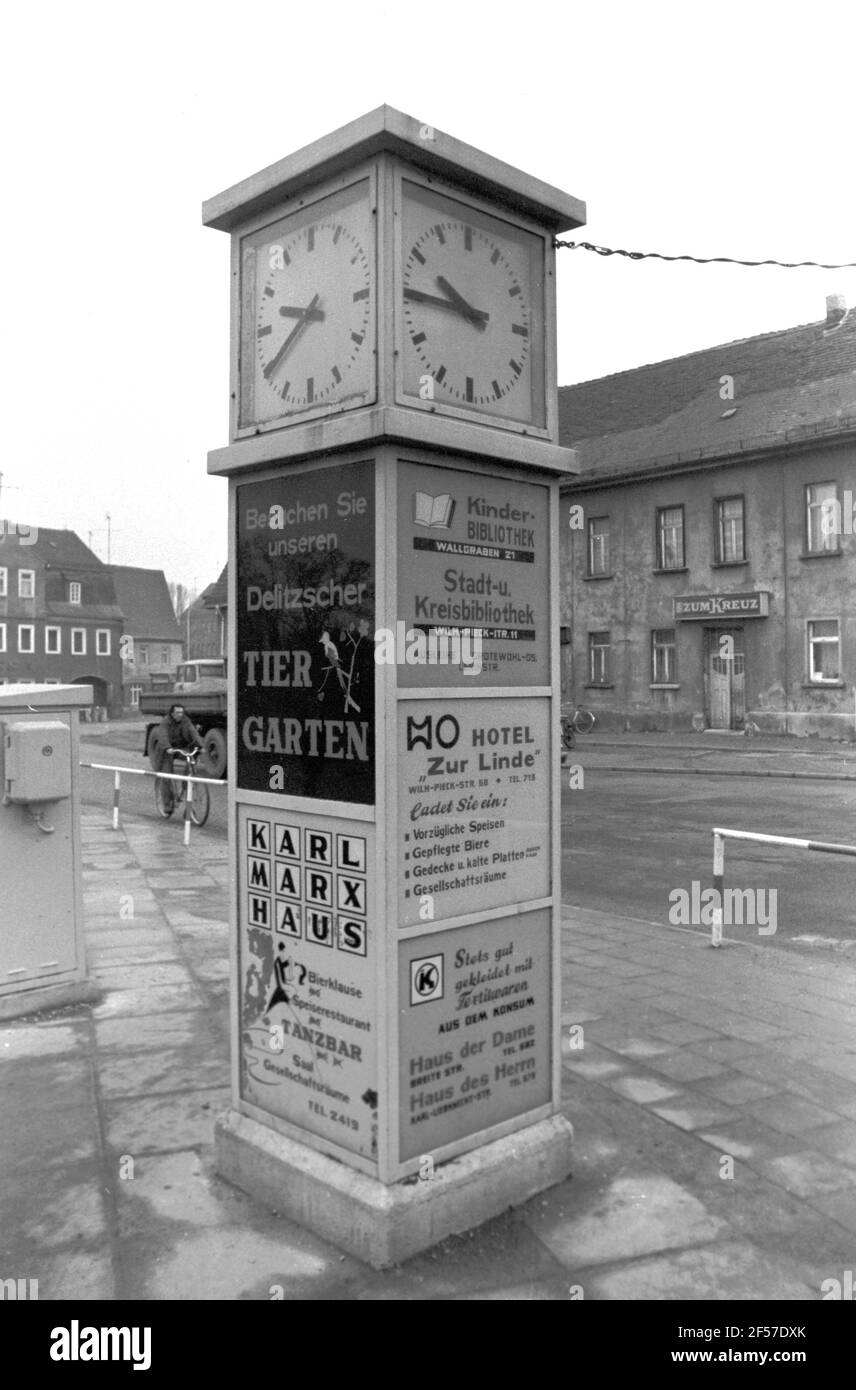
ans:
(200, 805)
(568, 738)
(583, 720)
(164, 798)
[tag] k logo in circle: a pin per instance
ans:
(426, 979)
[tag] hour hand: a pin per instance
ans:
(293, 311)
(475, 316)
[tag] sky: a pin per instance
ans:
(715, 130)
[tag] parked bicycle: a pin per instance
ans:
(170, 793)
(575, 719)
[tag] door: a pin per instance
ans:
(725, 678)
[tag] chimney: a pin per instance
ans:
(836, 308)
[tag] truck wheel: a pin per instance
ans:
(214, 744)
(156, 749)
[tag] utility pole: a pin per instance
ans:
(107, 516)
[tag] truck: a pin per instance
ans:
(200, 686)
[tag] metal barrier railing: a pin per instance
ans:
(146, 772)
(720, 835)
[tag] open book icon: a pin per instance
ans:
(433, 511)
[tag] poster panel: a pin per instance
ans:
(475, 1029)
(473, 559)
(308, 960)
(305, 599)
(473, 805)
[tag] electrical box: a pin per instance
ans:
(36, 761)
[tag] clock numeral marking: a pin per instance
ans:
(521, 329)
(438, 232)
(469, 389)
(285, 256)
(418, 338)
(337, 375)
(417, 256)
(269, 291)
(439, 375)
(496, 390)
(310, 389)
(361, 294)
(515, 367)
(495, 257)
(285, 390)
(263, 332)
(515, 289)
(310, 239)
(357, 338)
(336, 235)
(468, 238)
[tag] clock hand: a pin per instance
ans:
(291, 311)
(475, 316)
(292, 337)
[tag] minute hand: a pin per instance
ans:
(422, 297)
(475, 316)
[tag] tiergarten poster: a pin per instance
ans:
(305, 600)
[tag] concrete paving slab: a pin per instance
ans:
(145, 1073)
(634, 1216)
(723, 1271)
(163, 999)
(158, 1124)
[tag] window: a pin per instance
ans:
(78, 641)
(26, 637)
(74, 593)
(102, 641)
(730, 533)
(164, 656)
(4, 582)
(664, 666)
(53, 641)
(2, 637)
(670, 538)
(824, 656)
(598, 658)
(144, 656)
(598, 545)
(134, 693)
(26, 583)
(821, 500)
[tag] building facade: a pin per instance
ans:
(709, 555)
(151, 647)
(60, 622)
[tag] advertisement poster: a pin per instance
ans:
(305, 634)
(475, 1029)
(473, 805)
(307, 968)
(473, 559)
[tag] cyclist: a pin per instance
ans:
(174, 731)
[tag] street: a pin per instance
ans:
(630, 838)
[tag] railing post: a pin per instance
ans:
(718, 882)
(117, 780)
(188, 802)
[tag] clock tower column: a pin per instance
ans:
(394, 750)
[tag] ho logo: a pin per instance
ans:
(445, 731)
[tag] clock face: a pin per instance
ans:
(472, 310)
(307, 314)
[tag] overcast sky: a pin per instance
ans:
(722, 129)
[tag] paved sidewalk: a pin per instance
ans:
(717, 755)
(713, 1099)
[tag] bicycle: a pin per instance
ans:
(575, 720)
(170, 794)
